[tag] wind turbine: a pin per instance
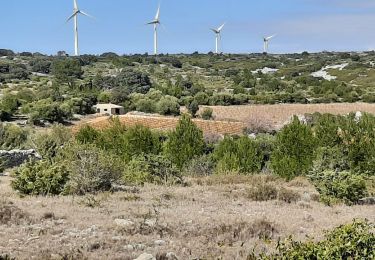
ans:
(266, 41)
(75, 14)
(155, 23)
(218, 37)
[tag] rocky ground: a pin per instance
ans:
(216, 217)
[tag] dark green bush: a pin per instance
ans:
(294, 150)
(185, 143)
(351, 241)
(242, 154)
(339, 187)
(40, 178)
(207, 113)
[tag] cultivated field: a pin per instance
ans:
(215, 218)
(234, 119)
(277, 115)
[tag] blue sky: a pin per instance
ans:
(312, 25)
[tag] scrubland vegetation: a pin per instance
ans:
(122, 191)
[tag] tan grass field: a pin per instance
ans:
(276, 115)
(163, 123)
(214, 218)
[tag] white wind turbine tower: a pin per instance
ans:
(156, 23)
(218, 37)
(266, 41)
(75, 14)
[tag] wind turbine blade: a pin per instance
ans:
(270, 37)
(221, 27)
(214, 30)
(157, 16)
(86, 14)
(75, 5)
(71, 17)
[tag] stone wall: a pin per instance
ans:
(15, 158)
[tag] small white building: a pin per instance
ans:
(109, 109)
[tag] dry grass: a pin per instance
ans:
(167, 124)
(211, 218)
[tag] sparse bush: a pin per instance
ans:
(200, 166)
(339, 186)
(288, 195)
(262, 191)
(91, 169)
(11, 214)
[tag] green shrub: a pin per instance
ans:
(141, 140)
(185, 143)
(294, 150)
(168, 106)
(91, 169)
(351, 241)
(242, 154)
(87, 135)
(339, 186)
(207, 113)
(12, 136)
(151, 169)
(48, 144)
(40, 178)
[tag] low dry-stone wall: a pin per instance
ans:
(15, 158)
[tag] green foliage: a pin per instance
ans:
(185, 143)
(40, 178)
(193, 108)
(339, 186)
(91, 169)
(67, 70)
(294, 150)
(168, 106)
(242, 154)
(87, 135)
(151, 169)
(351, 241)
(46, 110)
(48, 144)
(207, 113)
(124, 142)
(12, 136)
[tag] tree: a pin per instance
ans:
(67, 70)
(193, 108)
(294, 150)
(185, 143)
